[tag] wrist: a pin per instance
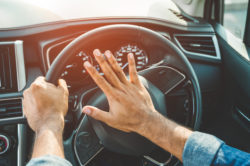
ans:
(147, 122)
(54, 124)
(46, 129)
(48, 141)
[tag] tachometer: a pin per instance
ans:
(140, 55)
(75, 71)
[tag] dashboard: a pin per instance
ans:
(36, 47)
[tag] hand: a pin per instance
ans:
(45, 105)
(129, 102)
(131, 108)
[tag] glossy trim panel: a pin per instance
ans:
(21, 76)
(21, 139)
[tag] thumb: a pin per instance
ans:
(96, 113)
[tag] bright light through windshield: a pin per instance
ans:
(16, 13)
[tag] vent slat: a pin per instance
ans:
(201, 46)
(10, 69)
(202, 51)
(8, 80)
(10, 108)
(2, 75)
(7, 69)
(208, 42)
(198, 44)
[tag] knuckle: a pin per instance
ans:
(40, 77)
(118, 69)
(133, 72)
(113, 62)
(101, 60)
(117, 96)
(123, 87)
(35, 86)
(99, 79)
(95, 73)
(108, 72)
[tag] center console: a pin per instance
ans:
(12, 81)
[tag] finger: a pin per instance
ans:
(38, 83)
(40, 79)
(96, 113)
(108, 72)
(132, 70)
(116, 67)
(63, 85)
(99, 80)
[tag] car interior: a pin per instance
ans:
(193, 56)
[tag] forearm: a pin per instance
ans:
(166, 134)
(48, 142)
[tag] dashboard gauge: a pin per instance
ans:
(75, 71)
(141, 58)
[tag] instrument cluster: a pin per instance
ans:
(75, 72)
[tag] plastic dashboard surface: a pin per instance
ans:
(53, 44)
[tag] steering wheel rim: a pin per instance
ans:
(141, 35)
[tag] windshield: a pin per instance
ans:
(19, 13)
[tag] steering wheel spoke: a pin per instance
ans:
(164, 78)
(86, 144)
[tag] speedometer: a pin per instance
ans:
(141, 58)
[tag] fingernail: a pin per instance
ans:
(131, 56)
(87, 111)
(108, 55)
(87, 64)
(97, 52)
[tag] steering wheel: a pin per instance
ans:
(91, 136)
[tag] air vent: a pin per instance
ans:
(203, 45)
(8, 74)
(184, 17)
(10, 108)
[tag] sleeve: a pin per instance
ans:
(200, 149)
(204, 149)
(48, 160)
(230, 156)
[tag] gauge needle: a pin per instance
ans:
(125, 65)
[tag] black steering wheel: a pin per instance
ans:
(174, 69)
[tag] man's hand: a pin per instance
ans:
(130, 104)
(45, 106)
(131, 108)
